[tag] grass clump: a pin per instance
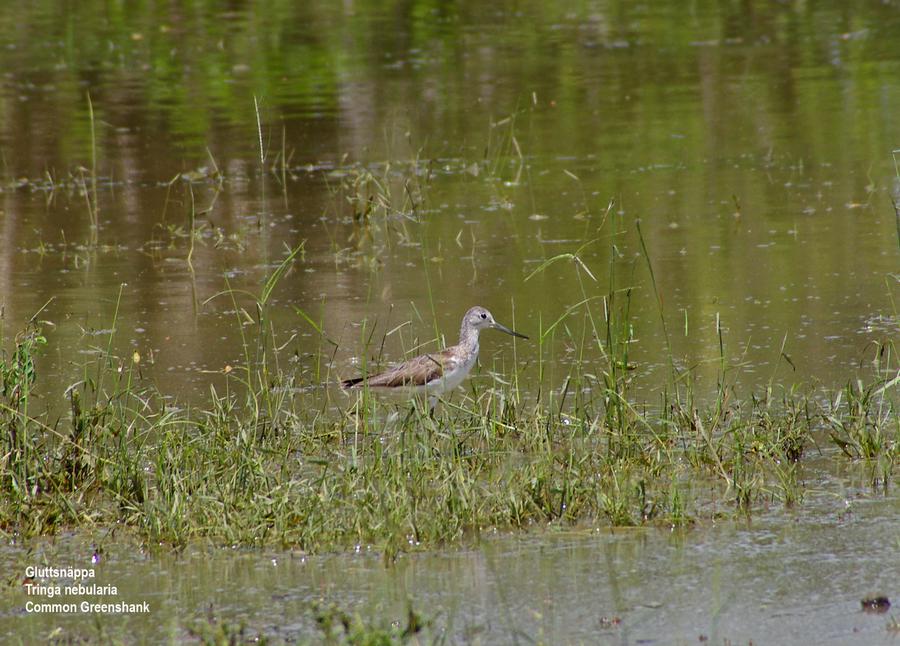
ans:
(268, 462)
(273, 468)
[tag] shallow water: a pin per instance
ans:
(787, 578)
(752, 143)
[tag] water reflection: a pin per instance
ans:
(745, 141)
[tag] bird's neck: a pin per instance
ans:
(468, 338)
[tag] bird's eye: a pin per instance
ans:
(483, 315)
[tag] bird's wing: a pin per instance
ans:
(418, 371)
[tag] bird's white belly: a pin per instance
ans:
(452, 378)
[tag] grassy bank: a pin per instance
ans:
(266, 462)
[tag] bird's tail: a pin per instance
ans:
(349, 383)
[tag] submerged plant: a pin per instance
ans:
(340, 627)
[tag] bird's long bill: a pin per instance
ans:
(503, 328)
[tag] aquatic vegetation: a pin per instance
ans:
(21, 444)
(272, 459)
(339, 627)
(379, 202)
(211, 632)
(335, 626)
(269, 462)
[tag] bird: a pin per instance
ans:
(436, 373)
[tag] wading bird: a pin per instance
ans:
(436, 373)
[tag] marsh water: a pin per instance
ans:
(776, 580)
(431, 156)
